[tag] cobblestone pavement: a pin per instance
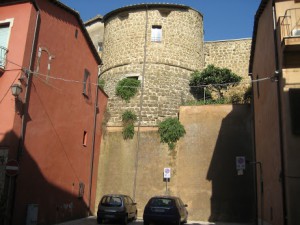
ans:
(92, 221)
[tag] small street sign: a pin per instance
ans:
(240, 164)
(12, 167)
(167, 172)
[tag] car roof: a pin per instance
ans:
(165, 196)
(115, 195)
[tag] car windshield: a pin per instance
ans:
(111, 201)
(162, 202)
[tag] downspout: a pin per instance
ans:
(26, 101)
(278, 74)
(93, 143)
(141, 106)
(29, 78)
(254, 152)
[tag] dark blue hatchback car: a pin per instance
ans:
(116, 208)
(165, 209)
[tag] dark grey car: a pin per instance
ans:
(116, 208)
(165, 209)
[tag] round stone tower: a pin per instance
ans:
(159, 44)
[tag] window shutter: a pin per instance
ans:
(4, 31)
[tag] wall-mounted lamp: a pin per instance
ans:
(16, 90)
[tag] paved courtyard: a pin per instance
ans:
(92, 221)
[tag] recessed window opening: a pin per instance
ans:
(76, 33)
(84, 141)
(85, 80)
(156, 33)
(294, 96)
(134, 76)
(100, 46)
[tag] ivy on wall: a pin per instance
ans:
(128, 119)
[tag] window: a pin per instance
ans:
(100, 46)
(5, 28)
(156, 33)
(85, 80)
(84, 141)
(294, 95)
(76, 33)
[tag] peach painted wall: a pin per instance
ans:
(54, 159)
(20, 16)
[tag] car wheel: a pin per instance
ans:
(125, 220)
(135, 216)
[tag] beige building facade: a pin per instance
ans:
(275, 66)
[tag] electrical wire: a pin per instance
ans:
(96, 84)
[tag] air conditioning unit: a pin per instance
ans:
(296, 32)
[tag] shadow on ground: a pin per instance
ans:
(93, 221)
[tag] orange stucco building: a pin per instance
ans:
(53, 128)
(275, 70)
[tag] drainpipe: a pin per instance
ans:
(93, 143)
(254, 153)
(141, 106)
(278, 72)
(25, 105)
(29, 78)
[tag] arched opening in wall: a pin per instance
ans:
(44, 63)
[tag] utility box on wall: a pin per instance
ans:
(32, 214)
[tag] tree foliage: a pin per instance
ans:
(127, 88)
(215, 76)
(171, 130)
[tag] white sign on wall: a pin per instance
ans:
(167, 172)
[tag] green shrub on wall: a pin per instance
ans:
(127, 88)
(170, 131)
(214, 78)
(128, 119)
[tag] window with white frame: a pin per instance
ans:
(5, 28)
(156, 33)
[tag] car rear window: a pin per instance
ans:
(111, 201)
(162, 202)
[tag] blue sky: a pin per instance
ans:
(223, 19)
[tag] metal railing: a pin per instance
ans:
(290, 23)
(3, 52)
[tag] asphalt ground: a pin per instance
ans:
(93, 221)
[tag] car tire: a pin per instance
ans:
(125, 220)
(135, 216)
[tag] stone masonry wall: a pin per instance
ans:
(232, 54)
(168, 64)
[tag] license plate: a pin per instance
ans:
(158, 210)
(110, 216)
